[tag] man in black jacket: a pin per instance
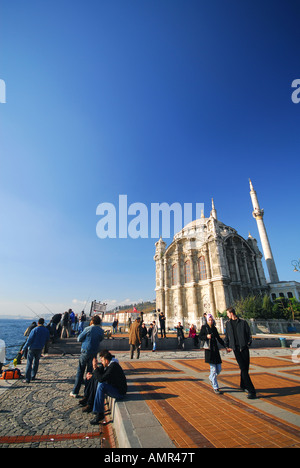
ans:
(111, 381)
(238, 338)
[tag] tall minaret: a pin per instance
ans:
(258, 214)
(213, 212)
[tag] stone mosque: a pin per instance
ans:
(209, 265)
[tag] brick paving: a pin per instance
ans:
(279, 391)
(175, 386)
(194, 417)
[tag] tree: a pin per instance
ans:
(258, 307)
(249, 307)
(267, 307)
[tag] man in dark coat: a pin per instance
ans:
(238, 338)
(180, 336)
(135, 338)
(162, 323)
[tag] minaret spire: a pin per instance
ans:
(258, 214)
(213, 212)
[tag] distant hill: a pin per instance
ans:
(145, 307)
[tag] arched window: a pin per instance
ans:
(290, 295)
(174, 274)
(202, 268)
(187, 271)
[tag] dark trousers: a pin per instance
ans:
(243, 360)
(145, 340)
(33, 359)
(133, 348)
(90, 390)
(85, 363)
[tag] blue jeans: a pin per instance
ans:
(215, 370)
(33, 358)
(102, 390)
(85, 361)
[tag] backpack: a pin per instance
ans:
(11, 374)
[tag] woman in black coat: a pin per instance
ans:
(210, 335)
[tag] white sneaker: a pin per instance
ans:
(73, 395)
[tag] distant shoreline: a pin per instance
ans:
(23, 317)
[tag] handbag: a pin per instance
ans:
(205, 344)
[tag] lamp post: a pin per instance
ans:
(296, 265)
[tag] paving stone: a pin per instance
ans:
(170, 403)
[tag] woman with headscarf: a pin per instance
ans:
(210, 335)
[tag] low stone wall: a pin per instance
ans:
(266, 326)
(122, 344)
(164, 344)
(274, 326)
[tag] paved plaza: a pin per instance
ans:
(170, 404)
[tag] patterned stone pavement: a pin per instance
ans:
(41, 414)
(175, 386)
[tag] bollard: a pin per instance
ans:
(283, 342)
(2, 351)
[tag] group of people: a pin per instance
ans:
(39, 336)
(108, 378)
(138, 334)
(104, 378)
(70, 323)
(237, 339)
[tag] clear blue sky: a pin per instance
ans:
(161, 100)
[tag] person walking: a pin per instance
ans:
(115, 326)
(144, 334)
(135, 338)
(37, 339)
(154, 336)
(162, 323)
(210, 334)
(90, 338)
(238, 338)
(65, 322)
(180, 336)
(82, 319)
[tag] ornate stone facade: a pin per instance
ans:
(206, 267)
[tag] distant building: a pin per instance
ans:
(209, 265)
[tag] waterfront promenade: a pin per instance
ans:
(170, 404)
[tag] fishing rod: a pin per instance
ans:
(47, 308)
(87, 301)
(32, 310)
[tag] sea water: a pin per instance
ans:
(12, 333)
